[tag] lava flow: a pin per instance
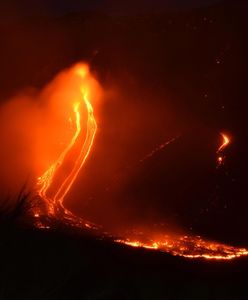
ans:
(47, 190)
(188, 246)
(224, 144)
(56, 182)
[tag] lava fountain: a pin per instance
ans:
(55, 183)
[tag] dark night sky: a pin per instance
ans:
(30, 7)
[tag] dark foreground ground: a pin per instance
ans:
(41, 264)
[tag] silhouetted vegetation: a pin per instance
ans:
(12, 209)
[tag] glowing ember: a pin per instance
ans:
(226, 141)
(53, 190)
(224, 144)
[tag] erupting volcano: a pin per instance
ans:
(55, 183)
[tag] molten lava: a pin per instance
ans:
(54, 199)
(56, 182)
(188, 246)
(224, 144)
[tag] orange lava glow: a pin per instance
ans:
(189, 247)
(225, 142)
(54, 199)
(55, 183)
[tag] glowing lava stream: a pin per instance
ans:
(46, 180)
(187, 246)
(226, 141)
(224, 144)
